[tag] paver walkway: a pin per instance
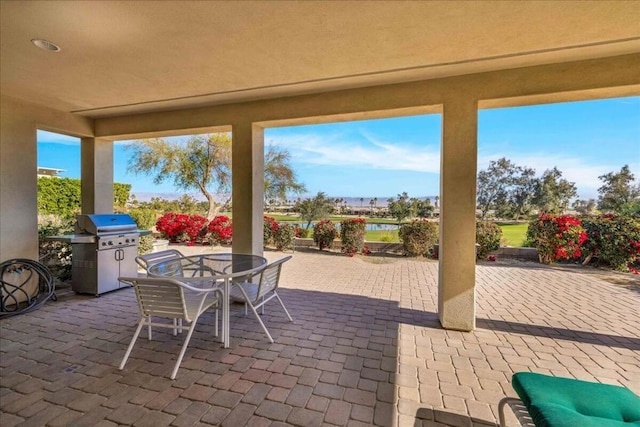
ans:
(365, 348)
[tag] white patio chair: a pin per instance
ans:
(147, 260)
(256, 295)
(172, 299)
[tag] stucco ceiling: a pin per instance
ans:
(123, 57)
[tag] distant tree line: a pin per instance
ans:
(513, 192)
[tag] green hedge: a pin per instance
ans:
(62, 196)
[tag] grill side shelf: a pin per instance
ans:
(73, 238)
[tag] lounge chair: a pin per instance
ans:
(547, 401)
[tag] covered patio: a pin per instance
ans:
(373, 343)
(365, 348)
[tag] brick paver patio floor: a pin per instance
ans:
(365, 348)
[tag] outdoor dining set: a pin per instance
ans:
(182, 288)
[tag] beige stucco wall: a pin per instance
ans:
(19, 122)
(607, 77)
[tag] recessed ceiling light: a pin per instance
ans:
(46, 45)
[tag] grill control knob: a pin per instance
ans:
(110, 243)
(126, 241)
(104, 243)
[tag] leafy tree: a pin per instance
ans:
(493, 184)
(584, 206)
(401, 207)
(313, 209)
(279, 177)
(424, 208)
(617, 190)
(521, 193)
(121, 194)
(197, 164)
(552, 193)
(203, 162)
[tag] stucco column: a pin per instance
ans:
(18, 184)
(97, 175)
(247, 169)
(456, 273)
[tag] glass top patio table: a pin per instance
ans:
(211, 270)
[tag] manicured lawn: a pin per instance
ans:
(382, 236)
(514, 234)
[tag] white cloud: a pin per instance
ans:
(337, 150)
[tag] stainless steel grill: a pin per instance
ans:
(103, 248)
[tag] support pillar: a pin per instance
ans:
(247, 171)
(97, 176)
(457, 255)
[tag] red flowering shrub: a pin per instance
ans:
(283, 236)
(220, 230)
(613, 240)
(195, 228)
(181, 227)
(557, 237)
(171, 226)
(268, 229)
(352, 231)
(324, 233)
(301, 232)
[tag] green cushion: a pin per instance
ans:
(565, 402)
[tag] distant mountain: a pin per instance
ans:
(146, 196)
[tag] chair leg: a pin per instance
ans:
(266, 331)
(149, 322)
(216, 323)
(184, 349)
(283, 307)
(133, 341)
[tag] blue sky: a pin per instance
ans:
(381, 158)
